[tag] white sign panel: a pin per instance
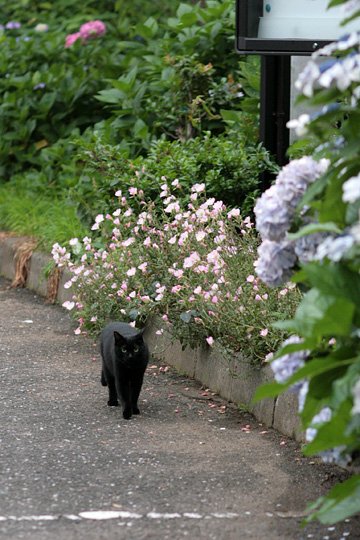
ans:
(303, 19)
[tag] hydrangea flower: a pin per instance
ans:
(12, 25)
(321, 418)
(276, 259)
(356, 395)
(41, 27)
(92, 29)
(71, 38)
(300, 124)
(334, 248)
(351, 7)
(275, 209)
(306, 247)
(272, 216)
(334, 455)
(285, 366)
(39, 86)
(303, 391)
(351, 189)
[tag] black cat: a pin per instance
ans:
(124, 359)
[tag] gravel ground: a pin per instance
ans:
(191, 465)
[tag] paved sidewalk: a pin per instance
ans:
(189, 467)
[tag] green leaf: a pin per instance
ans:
(332, 433)
(318, 316)
(314, 228)
(268, 390)
(188, 19)
(342, 501)
(47, 101)
(110, 96)
(182, 9)
(133, 314)
(335, 280)
(186, 317)
(231, 116)
(319, 366)
(141, 130)
(313, 190)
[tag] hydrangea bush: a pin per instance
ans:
(189, 263)
(309, 222)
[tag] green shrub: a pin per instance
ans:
(228, 166)
(48, 91)
(179, 80)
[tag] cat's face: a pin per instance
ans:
(128, 350)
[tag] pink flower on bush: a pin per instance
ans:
(210, 341)
(191, 260)
(89, 30)
(71, 38)
(92, 29)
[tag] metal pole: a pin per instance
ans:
(275, 108)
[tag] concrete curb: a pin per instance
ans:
(236, 380)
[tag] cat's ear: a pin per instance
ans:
(119, 339)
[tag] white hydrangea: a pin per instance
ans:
(341, 73)
(299, 124)
(303, 392)
(351, 7)
(351, 189)
(321, 418)
(356, 395)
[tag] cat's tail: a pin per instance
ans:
(103, 380)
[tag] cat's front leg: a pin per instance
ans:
(113, 398)
(136, 385)
(123, 390)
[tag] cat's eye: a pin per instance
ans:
(123, 349)
(136, 348)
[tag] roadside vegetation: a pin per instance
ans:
(130, 150)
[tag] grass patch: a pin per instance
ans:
(48, 220)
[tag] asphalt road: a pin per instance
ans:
(190, 466)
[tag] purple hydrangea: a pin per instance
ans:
(334, 248)
(276, 207)
(306, 246)
(276, 259)
(333, 455)
(39, 86)
(285, 366)
(12, 25)
(321, 418)
(272, 215)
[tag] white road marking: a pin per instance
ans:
(109, 514)
(120, 514)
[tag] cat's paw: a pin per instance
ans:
(127, 414)
(136, 410)
(113, 403)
